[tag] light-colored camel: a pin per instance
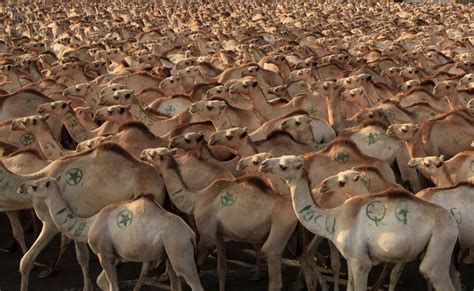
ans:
(115, 116)
(313, 104)
(394, 211)
(372, 140)
(112, 234)
(250, 166)
(459, 168)
(308, 130)
(264, 77)
(225, 116)
(446, 135)
(195, 142)
(170, 106)
(85, 117)
(83, 178)
(37, 126)
(214, 208)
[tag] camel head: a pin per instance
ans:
(210, 108)
(470, 105)
(288, 167)
(172, 86)
(466, 82)
(392, 51)
(445, 88)
(408, 85)
(409, 73)
(9, 69)
(296, 123)
(35, 47)
(159, 156)
(231, 138)
(40, 188)
(356, 81)
(111, 54)
(56, 108)
(277, 59)
(218, 91)
(340, 59)
(466, 65)
(83, 112)
(245, 87)
(183, 64)
(30, 124)
(391, 72)
(150, 59)
(346, 180)
(111, 88)
(65, 70)
(251, 71)
(119, 97)
(92, 143)
(354, 94)
(115, 113)
(252, 163)
(190, 76)
(427, 165)
(187, 141)
(96, 66)
(79, 90)
(327, 88)
(403, 131)
(303, 74)
(279, 91)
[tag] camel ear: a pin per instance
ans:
(298, 165)
(441, 158)
(356, 177)
(223, 106)
(69, 102)
(128, 107)
(44, 117)
(416, 128)
(174, 151)
(58, 178)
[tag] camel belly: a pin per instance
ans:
(393, 247)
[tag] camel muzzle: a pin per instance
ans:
(21, 189)
(264, 167)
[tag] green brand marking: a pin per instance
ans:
(30, 101)
(372, 137)
(401, 211)
(124, 218)
(227, 199)
(80, 229)
(170, 109)
(27, 139)
(74, 176)
(390, 114)
(376, 211)
(312, 110)
(366, 180)
(308, 213)
(457, 215)
(341, 157)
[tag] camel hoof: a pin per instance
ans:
(46, 273)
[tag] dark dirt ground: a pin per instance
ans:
(240, 266)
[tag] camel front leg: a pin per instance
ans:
(17, 229)
(360, 275)
(175, 282)
(395, 275)
(82, 255)
(335, 264)
(221, 264)
(27, 261)
(259, 272)
(64, 243)
(108, 265)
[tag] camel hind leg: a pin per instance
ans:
(82, 255)
(108, 265)
(181, 254)
(17, 229)
(436, 262)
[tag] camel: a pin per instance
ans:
(251, 165)
(263, 76)
(85, 117)
(310, 103)
(172, 238)
(170, 106)
(195, 142)
(214, 207)
(224, 115)
(80, 174)
(446, 173)
(341, 226)
(445, 135)
(308, 130)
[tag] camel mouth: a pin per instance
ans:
(264, 168)
(21, 188)
(411, 164)
(323, 188)
(240, 166)
(390, 131)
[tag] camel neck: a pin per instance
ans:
(317, 220)
(50, 148)
(247, 149)
(10, 181)
(140, 115)
(35, 73)
(334, 111)
(182, 197)
(71, 225)
(222, 121)
(261, 104)
(74, 127)
(15, 81)
(443, 179)
(306, 136)
(454, 101)
(415, 147)
(285, 71)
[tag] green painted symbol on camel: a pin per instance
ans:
(401, 211)
(341, 157)
(27, 139)
(366, 180)
(74, 176)
(372, 137)
(390, 114)
(376, 211)
(30, 101)
(170, 109)
(456, 214)
(308, 213)
(227, 199)
(471, 167)
(312, 110)
(124, 218)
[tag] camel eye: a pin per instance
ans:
(448, 87)
(122, 110)
(219, 91)
(127, 95)
(229, 137)
(47, 184)
(64, 105)
(255, 162)
(187, 140)
(34, 121)
(283, 168)
(209, 108)
(297, 122)
(404, 130)
(341, 183)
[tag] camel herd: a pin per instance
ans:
(157, 131)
